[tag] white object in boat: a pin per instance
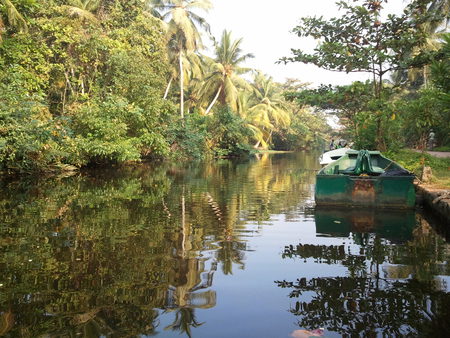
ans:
(332, 155)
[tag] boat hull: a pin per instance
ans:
(365, 191)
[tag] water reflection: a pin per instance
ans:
(393, 283)
(152, 250)
(105, 252)
(394, 225)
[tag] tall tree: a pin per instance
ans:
(182, 29)
(224, 79)
(359, 41)
(438, 14)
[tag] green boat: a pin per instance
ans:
(365, 179)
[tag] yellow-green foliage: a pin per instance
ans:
(414, 161)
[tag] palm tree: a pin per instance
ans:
(13, 17)
(225, 70)
(256, 127)
(442, 7)
(439, 11)
(182, 30)
(271, 110)
(184, 319)
(191, 61)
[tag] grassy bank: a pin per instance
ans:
(414, 162)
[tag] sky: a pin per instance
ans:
(266, 25)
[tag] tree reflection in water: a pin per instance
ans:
(135, 250)
(109, 251)
(404, 297)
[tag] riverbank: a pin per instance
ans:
(435, 199)
(415, 161)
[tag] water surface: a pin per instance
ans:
(217, 249)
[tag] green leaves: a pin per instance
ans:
(358, 41)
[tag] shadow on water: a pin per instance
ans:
(150, 250)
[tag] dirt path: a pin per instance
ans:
(441, 154)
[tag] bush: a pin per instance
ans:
(228, 134)
(115, 131)
(30, 138)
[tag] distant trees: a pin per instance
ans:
(362, 41)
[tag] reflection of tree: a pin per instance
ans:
(230, 253)
(378, 296)
(107, 251)
(184, 320)
(366, 306)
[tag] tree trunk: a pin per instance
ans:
(168, 88)
(181, 85)
(213, 101)
(268, 137)
(425, 76)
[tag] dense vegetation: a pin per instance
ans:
(97, 81)
(412, 48)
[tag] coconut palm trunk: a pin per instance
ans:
(168, 88)
(213, 101)
(180, 60)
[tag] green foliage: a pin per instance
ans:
(228, 134)
(440, 70)
(30, 139)
(23, 62)
(362, 114)
(414, 162)
(442, 148)
(79, 92)
(307, 130)
(115, 130)
(188, 137)
(419, 114)
(440, 74)
(360, 41)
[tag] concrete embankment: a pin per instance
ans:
(435, 200)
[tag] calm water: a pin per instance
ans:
(223, 249)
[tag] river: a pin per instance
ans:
(213, 249)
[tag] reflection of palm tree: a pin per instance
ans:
(184, 320)
(230, 253)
